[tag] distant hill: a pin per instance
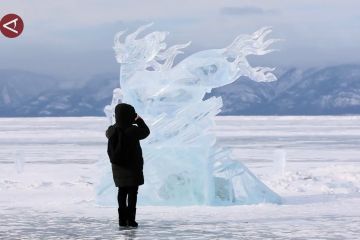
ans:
(327, 91)
(30, 94)
(87, 100)
(18, 87)
(330, 90)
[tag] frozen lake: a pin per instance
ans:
(254, 139)
(48, 168)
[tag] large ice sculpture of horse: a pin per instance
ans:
(183, 164)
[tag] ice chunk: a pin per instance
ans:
(19, 161)
(279, 162)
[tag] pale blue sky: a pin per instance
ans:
(73, 39)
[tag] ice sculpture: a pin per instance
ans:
(183, 165)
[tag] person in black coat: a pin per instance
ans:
(126, 157)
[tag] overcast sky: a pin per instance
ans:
(73, 39)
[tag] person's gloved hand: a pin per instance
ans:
(137, 117)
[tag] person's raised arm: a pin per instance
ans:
(142, 130)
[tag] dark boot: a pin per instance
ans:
(131, 217)
(123, 215)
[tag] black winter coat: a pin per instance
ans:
(132, 173)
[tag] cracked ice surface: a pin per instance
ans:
(263, 222)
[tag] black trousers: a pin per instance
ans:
(129, 194)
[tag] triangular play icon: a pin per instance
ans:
(14, 21)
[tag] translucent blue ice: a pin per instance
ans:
(183, 164)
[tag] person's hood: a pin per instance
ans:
(124, 115)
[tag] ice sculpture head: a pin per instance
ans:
(182, 163)
(139, 51)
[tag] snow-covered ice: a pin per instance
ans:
(48, 168)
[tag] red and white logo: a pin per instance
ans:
(11, 25)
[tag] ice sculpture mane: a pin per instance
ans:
(183, 165)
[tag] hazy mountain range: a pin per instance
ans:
(330, 90)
